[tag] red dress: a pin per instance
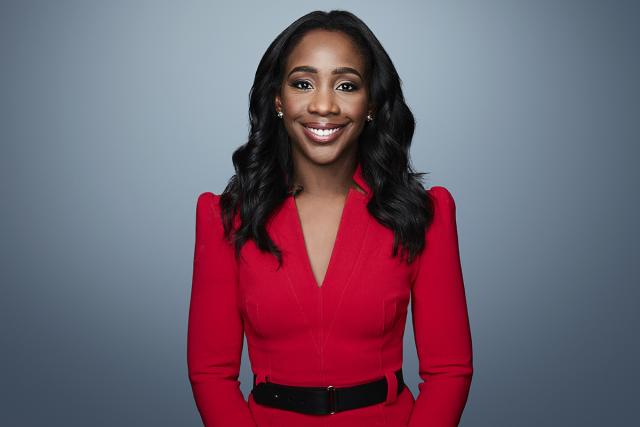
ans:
(345, 332)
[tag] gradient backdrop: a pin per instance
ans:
(115, 115)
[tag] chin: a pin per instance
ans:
(324, 155)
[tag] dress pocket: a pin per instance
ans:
(398, 413)
(262, 415)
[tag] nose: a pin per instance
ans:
(323, 102)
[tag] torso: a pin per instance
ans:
(320, 220)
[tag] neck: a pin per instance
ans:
(323, 180)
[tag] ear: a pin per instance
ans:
(278, 103)
(371, 108)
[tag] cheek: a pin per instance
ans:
(294, 132)
(356, 110)
(294, 102)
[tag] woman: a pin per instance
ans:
(316, 245)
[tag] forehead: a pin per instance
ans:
(326, 49)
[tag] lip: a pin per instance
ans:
(319, 125)
(323, 139)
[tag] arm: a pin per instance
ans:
(215, 332)
(441, 323)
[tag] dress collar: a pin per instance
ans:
(357, 177)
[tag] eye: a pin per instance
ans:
(300, 82)
(353, 86)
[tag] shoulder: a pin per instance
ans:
(442, 197)
(209, 226)
(208, 210)
(208, 201)
(444, 207)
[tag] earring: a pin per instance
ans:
(369, 118)
(280, 114)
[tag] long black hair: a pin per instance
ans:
(263, 165)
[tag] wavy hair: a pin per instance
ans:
(263, 165)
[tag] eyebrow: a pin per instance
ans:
(339, 70)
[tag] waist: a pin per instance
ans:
(327, 399)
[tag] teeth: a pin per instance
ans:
(323, 132)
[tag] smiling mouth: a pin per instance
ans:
(323, 135)
(324, 132)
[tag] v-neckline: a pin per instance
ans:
(319, 304)
(335, 247)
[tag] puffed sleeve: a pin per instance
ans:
(440, 322)
(215, 332)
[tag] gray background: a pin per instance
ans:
(116, 115)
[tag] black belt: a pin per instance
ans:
(322, 400)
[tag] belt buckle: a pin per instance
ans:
(332, 399)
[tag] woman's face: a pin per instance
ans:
(323, 88)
